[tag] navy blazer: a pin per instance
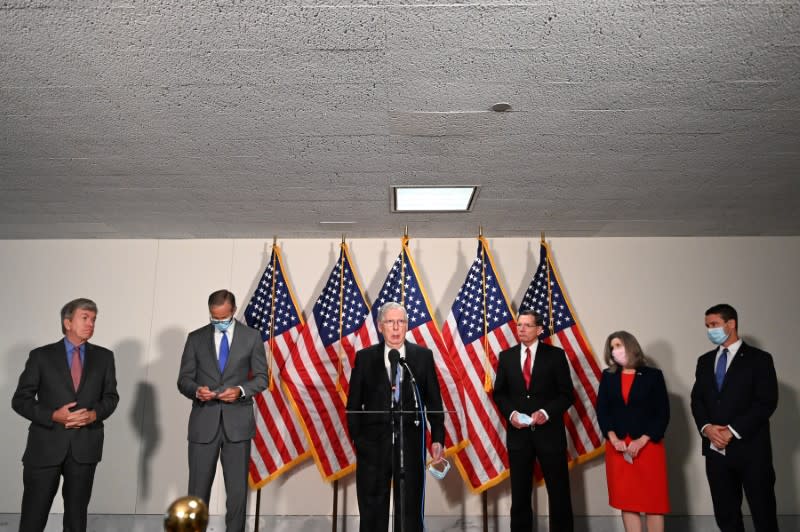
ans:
(647, 410)
(748, 398)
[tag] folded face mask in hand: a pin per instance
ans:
(524, 419)
(439, 474)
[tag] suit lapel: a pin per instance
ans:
(89, 363)
(61, 364)
(734, 365)
(212, 348)
(538, 365)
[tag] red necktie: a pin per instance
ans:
(526, 368)
(75, 367)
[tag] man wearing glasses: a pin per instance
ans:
(532, 390)
(379, 384)
(223, 366)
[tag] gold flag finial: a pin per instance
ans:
(343, 239)
(480, 231)
(274, 240)
(405, 234)
(542, 237)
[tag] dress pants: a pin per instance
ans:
(40, 485)
(727, 478)
(556, 478)
(235, 457)
(377, 468)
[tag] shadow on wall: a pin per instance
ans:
(785, 447)
(142, 416)
(681, 438)
(785, 438)
(16, 435)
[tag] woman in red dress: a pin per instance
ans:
(633, 412)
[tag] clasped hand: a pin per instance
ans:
(75, 419)
(720, 435)
(538, 418)
(633, 448)
(229, 395)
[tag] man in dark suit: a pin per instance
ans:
(532, 390)
(734, 394)
(371, 390)
(223, 366)
(66, 391)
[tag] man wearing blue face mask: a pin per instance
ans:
(734, 394)
(223, 366)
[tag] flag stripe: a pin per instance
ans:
(316, 378)
(278, 443)
(546, 296)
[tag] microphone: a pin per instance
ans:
(394, 356)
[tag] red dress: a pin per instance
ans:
(642, 485)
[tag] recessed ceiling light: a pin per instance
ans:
(433, 198)
(501, 107)
(333, 222)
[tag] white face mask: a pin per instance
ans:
(439, 474)
(620, 356)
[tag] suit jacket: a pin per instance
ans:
(647, 411)
(551, 389)
(748, 398)
(45, 385)
(370, 389)
(246, 367)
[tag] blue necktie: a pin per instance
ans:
(396, 371)
(722, 364)
(224, 349)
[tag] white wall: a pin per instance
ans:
(151, 293)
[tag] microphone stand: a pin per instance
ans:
(401, 458)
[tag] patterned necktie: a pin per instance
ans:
(722, 365)
(75, 367)
(224, 349)
(526, 368)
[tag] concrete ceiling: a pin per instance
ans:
(248, 118)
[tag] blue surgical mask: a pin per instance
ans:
(222, 325)
(439, 474)
(717, 335)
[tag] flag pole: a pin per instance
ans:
(403, 268)
(272, 317)
(271, 331)
(258, 508)
(549, 270)
(487, 381)
(339, 371)
(487, 385)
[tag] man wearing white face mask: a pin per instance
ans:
(223, 366)
(734, 394)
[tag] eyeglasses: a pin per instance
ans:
(394, 323)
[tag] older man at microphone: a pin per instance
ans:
(393, 376)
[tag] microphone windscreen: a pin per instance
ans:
(394, 356)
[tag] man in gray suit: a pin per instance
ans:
(223, 366)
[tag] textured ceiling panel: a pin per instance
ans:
(126, 119)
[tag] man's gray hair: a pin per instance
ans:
(68, 310)
(391, 305)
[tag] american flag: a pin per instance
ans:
(402, 285)
(584, 440)
(318, 373)
(279, 442)
(479, 326)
